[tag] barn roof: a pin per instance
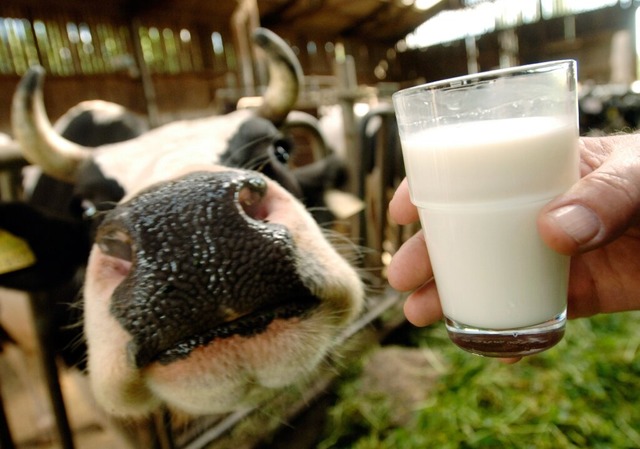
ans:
(379, 20)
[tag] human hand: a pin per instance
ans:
(596, 222)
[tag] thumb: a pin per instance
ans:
(603, 204)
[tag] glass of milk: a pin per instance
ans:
(483, 154)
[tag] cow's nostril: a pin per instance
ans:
(251, 196)
(116, 244)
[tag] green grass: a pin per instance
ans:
(584, 393)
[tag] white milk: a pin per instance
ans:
(479, 187)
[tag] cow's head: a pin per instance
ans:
(208, 284)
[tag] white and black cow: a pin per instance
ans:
(91, 124)
(208, 285)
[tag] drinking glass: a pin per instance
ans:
(483, 154)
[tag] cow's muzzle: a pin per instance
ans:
(205, 264)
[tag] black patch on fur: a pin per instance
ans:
(258, 146)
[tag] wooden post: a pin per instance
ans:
(148, 88)
(244, 20)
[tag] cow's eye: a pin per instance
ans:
(116, 244)
(88, 209)
(282, 151)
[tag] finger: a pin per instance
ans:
(583, 299)
(400, 207)
(410, 267)
(602, 205)
(422, 307)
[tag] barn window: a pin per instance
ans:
(329, 47)
(223, 56)
(72, 33)
(172, 60)
(169, 50)
(17, 46)
(481, 16)
(185, 35)
(63, 47)
(216, 41)
(554, 8)
(311, 48)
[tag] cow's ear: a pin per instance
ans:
(57, 247)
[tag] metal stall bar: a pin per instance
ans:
(43, 318)
(6, 441)
(381, 171)
(11, 162)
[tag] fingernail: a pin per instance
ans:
(577, 221)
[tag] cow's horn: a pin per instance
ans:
(40, 143)
(285, 76)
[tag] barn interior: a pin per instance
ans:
(169, 60)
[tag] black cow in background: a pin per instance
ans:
(608, 109)
(90, 123)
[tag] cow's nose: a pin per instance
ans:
(247, 196)
(205, 264)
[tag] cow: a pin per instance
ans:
(207, 286)
(89, 123)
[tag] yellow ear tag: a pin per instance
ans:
(15, 253)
